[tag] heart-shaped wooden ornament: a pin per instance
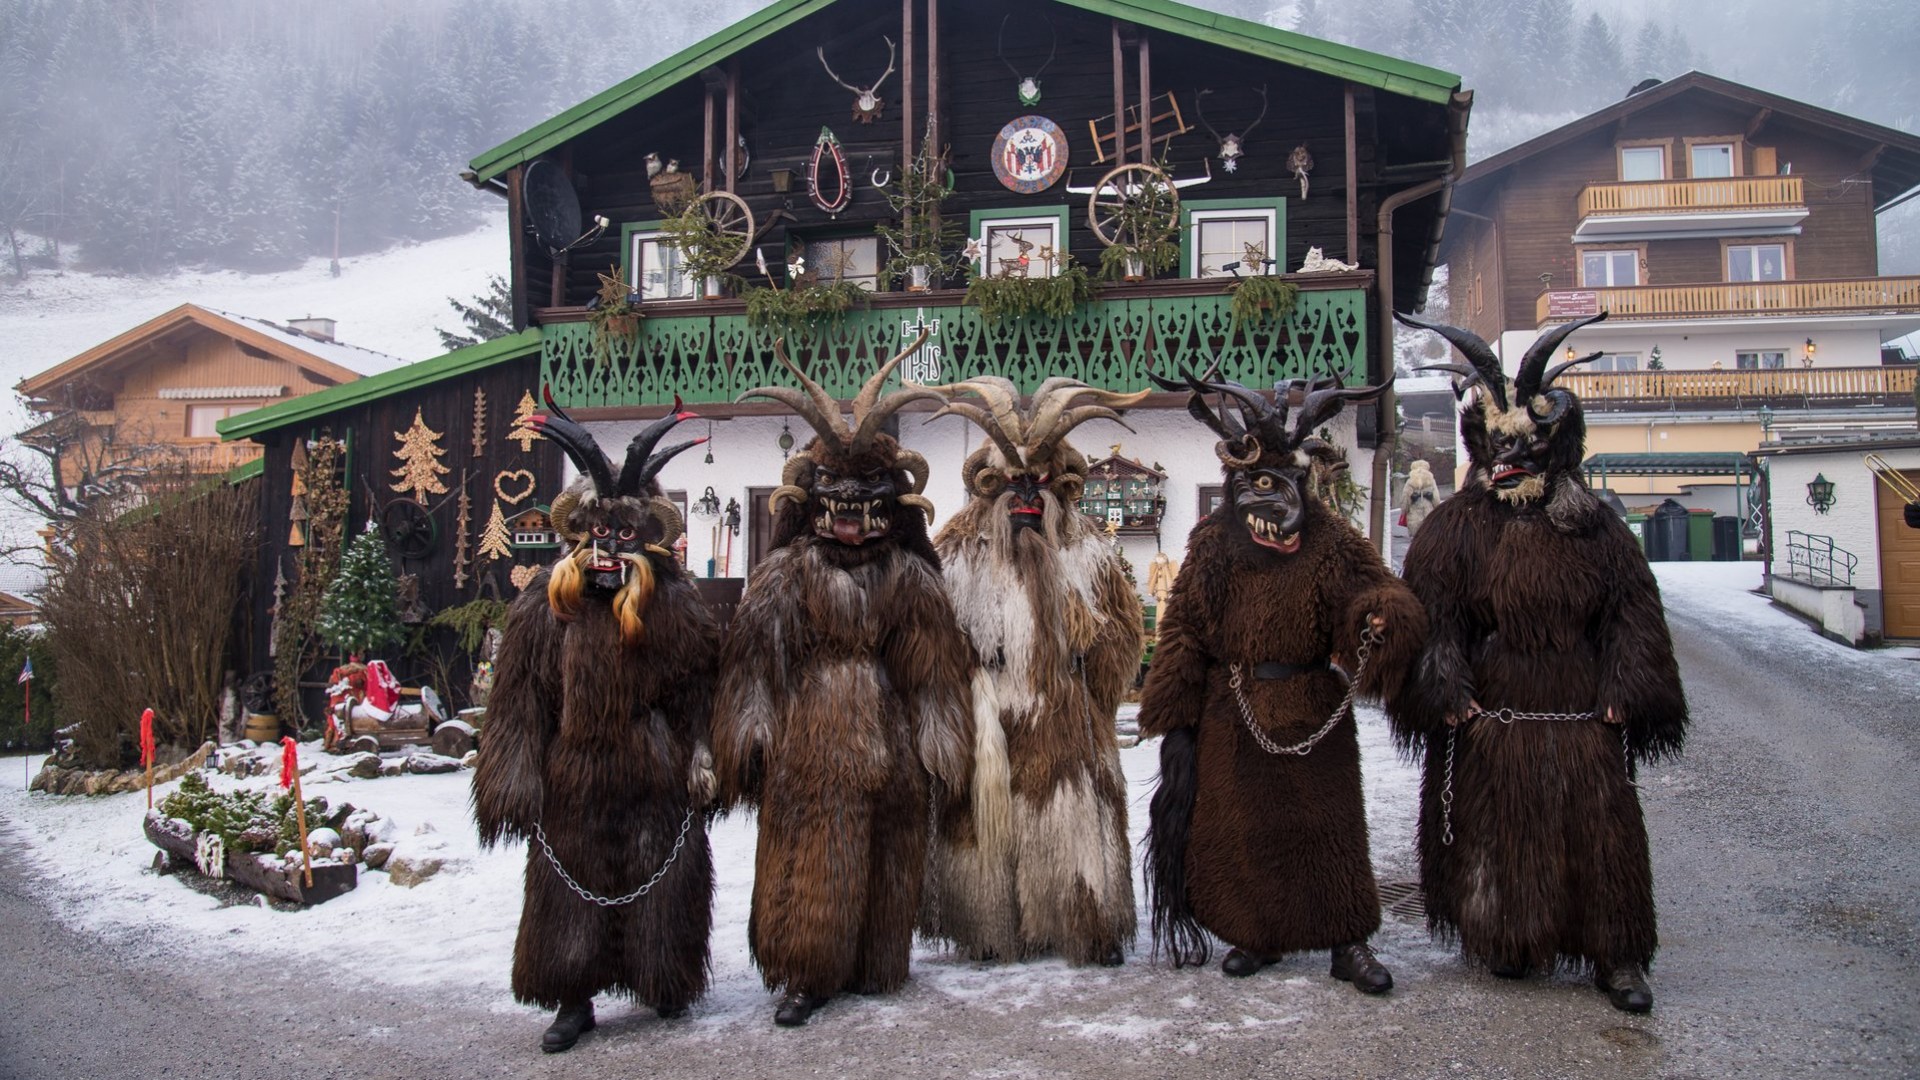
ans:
(522, 576)
(501, 486)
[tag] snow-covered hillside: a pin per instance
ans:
(390, 302)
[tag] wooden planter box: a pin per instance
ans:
(329, 880)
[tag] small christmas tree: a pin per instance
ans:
(522, 430)
(420, 469)
(493, 539)
(358, 613)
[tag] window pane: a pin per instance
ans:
(1746, 361)
(1712, 160)
(202, 418)
(1757, 262)
(660, 276)
(1599, 269)
(854, 259)
(1020, 250)
(1593, 269)
(1626, 267)
(1643, 163)
(1232, 240)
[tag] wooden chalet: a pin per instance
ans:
(164, 385)
(1339, 150)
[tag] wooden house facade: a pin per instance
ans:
(1280, 147)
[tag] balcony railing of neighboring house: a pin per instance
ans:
(1744, 299)
(1692, 196)
(1777, 388)
(215, 457)
(1813, 559)
(706, 352)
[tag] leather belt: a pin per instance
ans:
(1274, 670)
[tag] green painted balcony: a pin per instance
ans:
(707, 353)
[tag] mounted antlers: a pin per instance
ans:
(867, 103)
(1029, 84)
(1232, 144)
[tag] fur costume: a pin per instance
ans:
(1541, 601)
(1420, 495)
(1039, 860)
(1268, 851)
(843, 695)
(596, 737)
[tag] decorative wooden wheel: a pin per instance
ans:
(1136, 205)
(729, 223)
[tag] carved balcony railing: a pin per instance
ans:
(1732, 300)
(1692, 196)
(1776, 388)
(706, 352)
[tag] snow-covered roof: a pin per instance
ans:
(22, 581)
(352, 357)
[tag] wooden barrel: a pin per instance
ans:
(263, 727)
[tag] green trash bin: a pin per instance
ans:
(1637, 521)
(1700, 535)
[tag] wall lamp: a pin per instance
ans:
(1820, 493)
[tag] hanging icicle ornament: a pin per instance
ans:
(1028, 87)
(827, 152)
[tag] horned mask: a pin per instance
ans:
(615, 525)
(1523, 436)
(1026, 452)
(849, 477)
(1273, 467)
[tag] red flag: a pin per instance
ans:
(289, 761)
(146, 738)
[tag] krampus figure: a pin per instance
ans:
(1549, 673)
(1419, 497)
(596, 747)
(1258, 831)
(843, 704)
(1038, 860)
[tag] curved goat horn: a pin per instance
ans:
(1558, 370)
(870, 410)
(812, 403)
(1477, 352)
(631, 472)
(577, 443)
(1533, 363)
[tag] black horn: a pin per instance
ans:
(639, 450)
(1478, 353)
(1533, 364)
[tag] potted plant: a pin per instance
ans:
(918, 245)
(1009, 294)
(614, 313)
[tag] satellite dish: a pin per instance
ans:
(553, 209)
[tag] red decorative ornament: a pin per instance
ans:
(289, 761)
(827, 150)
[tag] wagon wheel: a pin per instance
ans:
(729, 225)
(408, 528)
(1136, 205)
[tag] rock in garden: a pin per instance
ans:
(425, 764)
(376, 855)
(392, 768)
(364, 766)
(408, 869)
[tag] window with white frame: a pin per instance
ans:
(1712, 160)
(1760, 359)
(1756, 262)
(1643, 163)
(1022, 247)
(845, 258)
(1242, 239)
(1603, 269)
(654, 268)
(1614, 362)
(202, 418)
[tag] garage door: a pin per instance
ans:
(1899, 564)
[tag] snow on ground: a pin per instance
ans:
(1721, 594)
(389, 301)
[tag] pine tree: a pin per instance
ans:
(493, 539)
(1650, 53)
(523, 431)
(420, 453)
(489, 316)
(1603, 70)
(358, 611)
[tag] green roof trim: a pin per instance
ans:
(1326, 57)
(360, 391)
(240, 473)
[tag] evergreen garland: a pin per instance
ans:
(358, 612)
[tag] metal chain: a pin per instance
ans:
(615, 901)
(1369, 637)
(1508, 716)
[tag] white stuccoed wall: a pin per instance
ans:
(746, 454)
(1852, 521)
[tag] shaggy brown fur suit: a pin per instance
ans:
(1277, 857)
(1550, 608)
(595, 741)
(1039, 859)
(844, 689)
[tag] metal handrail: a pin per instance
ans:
(1815, 560)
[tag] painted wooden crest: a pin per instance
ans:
(1030, 155)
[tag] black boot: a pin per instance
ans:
(1355, 963)
(796, 1007)
(1508, 969)
(1240, 963)
(571, 1022)
(1626, 987)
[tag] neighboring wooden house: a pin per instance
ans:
(163, 386)
(458, 544)
(1729, 233)
(1332, 143)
